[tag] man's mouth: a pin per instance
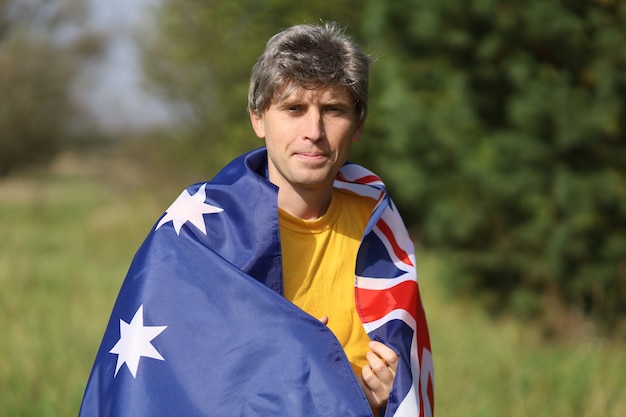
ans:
(312, 156)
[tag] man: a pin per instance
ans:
(236, 270)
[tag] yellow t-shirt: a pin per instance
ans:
(319, 259)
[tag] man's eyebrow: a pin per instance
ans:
(338, 103)
(287, 102)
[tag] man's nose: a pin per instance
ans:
(314, 125)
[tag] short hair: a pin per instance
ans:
(311, 57)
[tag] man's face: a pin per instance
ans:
(308, 136)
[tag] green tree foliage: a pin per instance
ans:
(37, 66)
(501, 126)
(202, 56)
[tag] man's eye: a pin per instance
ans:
(335, 110)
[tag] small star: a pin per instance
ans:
(135, 342)
(189, 208)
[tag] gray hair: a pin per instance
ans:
(310, 57)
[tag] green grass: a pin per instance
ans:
(486, 367)
(69, 234)
(66, 244)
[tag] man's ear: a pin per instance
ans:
(258, 124)
(357, 132)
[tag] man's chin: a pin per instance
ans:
(314, 181)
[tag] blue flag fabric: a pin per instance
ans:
(200, 326)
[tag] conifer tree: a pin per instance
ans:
(504, 126)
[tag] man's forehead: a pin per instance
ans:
(296, 92)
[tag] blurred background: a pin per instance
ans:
(499, 127)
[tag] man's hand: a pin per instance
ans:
(377, 376)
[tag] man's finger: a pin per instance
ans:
(385, 353)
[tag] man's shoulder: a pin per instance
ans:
(252, 164)
(355, 204)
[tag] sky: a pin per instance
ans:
(111, 89)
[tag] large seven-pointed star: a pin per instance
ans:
(189, 208)
(134, 343)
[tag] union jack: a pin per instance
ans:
(387, 295)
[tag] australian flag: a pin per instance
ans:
(200, 326)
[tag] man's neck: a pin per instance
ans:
(305, 204)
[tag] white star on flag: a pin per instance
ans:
(189, 208)
(134, 343)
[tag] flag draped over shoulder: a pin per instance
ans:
(200, 326)
(387, 296)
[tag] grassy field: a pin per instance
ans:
(68, 236)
